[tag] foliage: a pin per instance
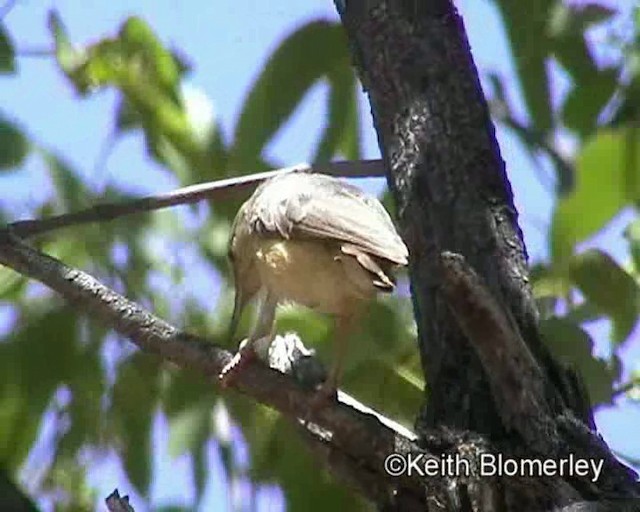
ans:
(112, 394)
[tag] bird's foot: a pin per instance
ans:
(245, 354)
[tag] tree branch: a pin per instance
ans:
(516, 380)
(353, 441)
(356, 435)
(214, 190)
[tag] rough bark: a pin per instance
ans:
(473, 302)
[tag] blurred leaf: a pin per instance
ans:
(67, 56)
(609, 158)
(571, 344)
(549, 282)
(278, 454)
(341, 133)
(126, 117)
(284, 81)
(135, 396)
(632, 234)
(586, 311)
(395, 389)
(185, 390)
(189, 430)
(567, 26)
(14, 145)
(200, 470)
(609, 288)
(12, 497)
(7, 53)
(148, 75)
(587, 99)
(526, 24)
(87, 385)
(35, 359)
(70, 190)
(12, 285)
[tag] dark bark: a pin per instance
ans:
(475, 311)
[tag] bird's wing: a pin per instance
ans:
(323, 207)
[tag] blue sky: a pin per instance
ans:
(227, 41)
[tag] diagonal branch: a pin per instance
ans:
(516, 380)
(354, 435)
(220, 189)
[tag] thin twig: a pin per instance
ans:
(35, 52)
(214, 190)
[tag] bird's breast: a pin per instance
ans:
(313, 274)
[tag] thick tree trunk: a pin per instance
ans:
(489, 374)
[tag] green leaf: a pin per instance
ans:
(567, 27)
(610, 158)
(526, 24)
(549, 282)
(14, 145)
(37, 357)
(87, 385)
(67, 56)
(148, 76)
(7, 53)
(281, 456)
(70, 190)
(341, 133)
(572, 345)
(632, 234)
(609, 288)
(135, 396)
(189, 430)
(284, 81)
(587, 99)
(185, 390)
(200, 471)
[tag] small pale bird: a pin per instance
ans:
(317, 241)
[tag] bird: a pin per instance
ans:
(315, 240)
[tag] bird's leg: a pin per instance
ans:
(264, 327)
(329, 388)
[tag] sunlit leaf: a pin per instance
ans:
(67, 56)
(606, 180)
(608, 287)
(549, 282)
